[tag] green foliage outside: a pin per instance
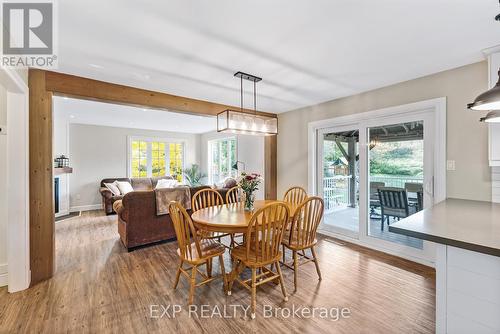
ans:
(398, 158)
(404, 158)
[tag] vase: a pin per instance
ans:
(249, 200)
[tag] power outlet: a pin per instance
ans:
(3, 129)
(450, 164)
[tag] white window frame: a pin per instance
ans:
(209, 155)
(150, 140)
(368, 119)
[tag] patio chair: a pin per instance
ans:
(374, 199)
(420, 200)
(415, 189)
(393, 203)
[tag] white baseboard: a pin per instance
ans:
(4, 276)
(62, 213)
(85, 207)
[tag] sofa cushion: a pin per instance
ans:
(111, 180)
(230, 182)
(142, 183)
(124, 187)
(167, 184)
(155, 179)
(113, 187)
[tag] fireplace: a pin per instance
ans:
(56, 195)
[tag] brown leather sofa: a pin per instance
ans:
(138, 223)
(143, 183)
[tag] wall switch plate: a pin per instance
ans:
(450, 164)
(3, 129)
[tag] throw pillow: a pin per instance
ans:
(165, 183)
(230, 183)
(113, 188)
(125, 187)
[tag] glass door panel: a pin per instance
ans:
(339, 180)
(395, 178)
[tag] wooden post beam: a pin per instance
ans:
(42, 246)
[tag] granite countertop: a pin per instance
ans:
(472, 225)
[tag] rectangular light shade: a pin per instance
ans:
(234, 121)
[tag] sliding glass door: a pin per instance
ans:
(395, 178)
(339, 179)
(374, 173)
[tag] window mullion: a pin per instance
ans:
(167, 160)
(149, 155)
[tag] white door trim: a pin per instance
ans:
(438, 108)
(18, 246)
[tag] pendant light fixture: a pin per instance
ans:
(491, 117)
(489, 100)
(240, 122)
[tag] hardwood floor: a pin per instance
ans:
(98, 288)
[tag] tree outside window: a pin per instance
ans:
(150, 158)
(222, 157)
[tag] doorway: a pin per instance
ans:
(378, 167)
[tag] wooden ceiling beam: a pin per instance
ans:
(74, 86)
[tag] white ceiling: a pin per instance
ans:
(306, 51)
(107, 114)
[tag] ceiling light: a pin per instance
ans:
(498, 16)
(489, 100)
(491, 117)
(238, 121)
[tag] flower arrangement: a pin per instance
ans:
(249, 183)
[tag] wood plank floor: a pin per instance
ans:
(100, 288)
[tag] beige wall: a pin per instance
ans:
(467, 139)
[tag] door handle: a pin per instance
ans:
(429, 187)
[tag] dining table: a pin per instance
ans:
(230, 218)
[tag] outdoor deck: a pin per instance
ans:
(348, 219)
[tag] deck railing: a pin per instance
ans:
(336, 189)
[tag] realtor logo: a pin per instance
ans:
(28, 34)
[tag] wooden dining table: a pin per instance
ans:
(230, 218)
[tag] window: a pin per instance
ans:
(139, 159)
(222, 157)
(154, 157)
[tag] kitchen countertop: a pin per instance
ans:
(472, 225)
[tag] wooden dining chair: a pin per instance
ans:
(205, 198)
(302, 235)
(295, 195)
(193, 251)
(262, 248)
(234, 195)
